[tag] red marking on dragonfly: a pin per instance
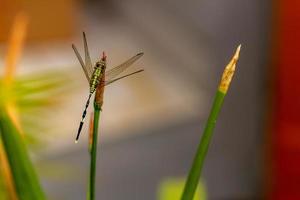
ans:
(103, 56)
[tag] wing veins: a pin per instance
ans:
(88, 61)
(114, 72)
(86, 72)
(116, 79)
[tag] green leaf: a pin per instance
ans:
(24, 175)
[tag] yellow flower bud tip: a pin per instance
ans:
(237, 53)
(76, 141)
(234, 59)
(229, 71)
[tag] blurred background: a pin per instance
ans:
(152, 122)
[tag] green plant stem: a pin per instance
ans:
(93, 152)
(195, 172)
(24, 176)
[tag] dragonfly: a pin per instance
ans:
(98, 77)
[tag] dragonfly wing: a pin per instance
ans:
(88, 62)
(113, 73)
(86, 71)
(116, 79)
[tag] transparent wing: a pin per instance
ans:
(88, 62)
(113, 73)
(116, 79)
(86, 71)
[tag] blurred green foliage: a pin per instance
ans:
(31, 96)
(171, 189)
(25, 180)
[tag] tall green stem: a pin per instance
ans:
(93, 153)
(195, 171)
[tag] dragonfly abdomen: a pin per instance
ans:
(95, 80)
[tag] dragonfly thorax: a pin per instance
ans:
(97, 75)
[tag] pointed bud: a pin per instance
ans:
(229, 71)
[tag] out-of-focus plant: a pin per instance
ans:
(171, 189)
(18, 172)
(21, 101)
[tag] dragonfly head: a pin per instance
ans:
(102, 62)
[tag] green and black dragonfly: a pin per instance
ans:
(97, 77)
